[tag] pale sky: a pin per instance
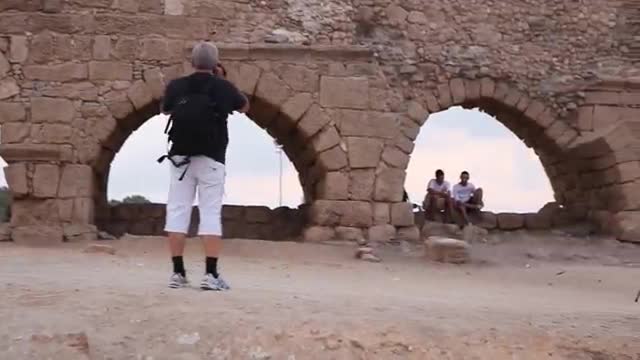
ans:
(511, 174)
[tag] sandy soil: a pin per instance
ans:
(535, 298)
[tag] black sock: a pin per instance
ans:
(178, 265)
(212, 266)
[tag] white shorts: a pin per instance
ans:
(207, 177)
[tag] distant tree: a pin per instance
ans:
(135, 199)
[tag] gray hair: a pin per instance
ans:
(204, 56)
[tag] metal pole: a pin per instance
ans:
(280, 185)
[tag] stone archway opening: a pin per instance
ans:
(535, 125)
(240, 221)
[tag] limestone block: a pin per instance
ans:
(448, 250)
(38, 235)
(333, 159)
(417, 112)
(78, 90)
(174, 7)
(389, 185)
(5, 232)
(83, 210)
(356, 214)
(381, 213)
(313, 121)
(437, 229)
(12, 112)
(60, 73)
(140, 95)
(325, 212)
(361, 184)
(51, 133)
(296, 106)
(537, 221)
(334, 186)
(458, 92)
(350, 93)
(485, 220)
(51, 110)
(155, 82)
(417, 17)
(8, 88)
(394, 157)
(80, 233)
(16, 177)
(382, 233)
(487, 87)
(472, 89)
(444, 96)
(325, 139)
(19, 51)
(364, 152)
(46, 179)
(472, 233)
(402, 214)
(396, 14)
(367, 124)
(14, 132)
(110, 70)
(76, 181)
(316, 234)
(508, 221)
(300, 78)
(349, 234)
(102, 47)
(627, 226)
(432, 102)
(119, 104)
(4, 66)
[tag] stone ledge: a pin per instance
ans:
(35, 152)
(298, 53)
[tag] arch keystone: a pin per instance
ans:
(140, 95)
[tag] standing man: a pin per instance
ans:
(466, 197)
(438, 197)
(199, 105)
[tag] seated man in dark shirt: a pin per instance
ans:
(202, 170)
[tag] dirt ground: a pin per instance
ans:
(523, 297)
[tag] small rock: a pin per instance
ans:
(363, 250)
(103, 235)
(371, 258)
(188, 339)
(447, 250)
(99, 248)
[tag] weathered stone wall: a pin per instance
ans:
(246, 222)
(346, 92)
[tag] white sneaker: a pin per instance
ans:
(209, 282)
(178, 281)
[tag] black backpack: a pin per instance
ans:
(194, 125)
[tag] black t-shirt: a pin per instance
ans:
(227, 97)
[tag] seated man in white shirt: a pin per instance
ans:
(466, 197)
(438, 197)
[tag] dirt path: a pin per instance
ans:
(304, 301)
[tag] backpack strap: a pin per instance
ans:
(178, 164)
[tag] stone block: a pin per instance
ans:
(76, 181)
(334, 186)
(12, 112)
(119, 104)
(444, 96)
(537, 222)
(356, 214)
(349, 234)
(432, 102)
(361, 184)
(110, 70)
(4, 66)
(155, 82)
(46, 179)
(100, 249)
(472, 233)
(585, 118)
(16, 177)
(315, 234)
(326, 212)
(38, 235)
(509, 221)
(629, 171)
(350, 93)
(5, 232)
(233, 212)
(8, 88)
(77, 90)
(367, 124)
(417, 112)
(402, 214)
(389, 185)
(300, 78)
(395, 157)
(627, 226)
(448, 250)
(14, 132)
(257, 214)
(333, 159)
(408, 233)
(272, 89)
(80, 233)
(140, 95)
(458, 92)
(364, 152)
(296, 106)
(381, 213)
(51, 133)
(51, 110)
(485, 220)
(325, 139)
(381, 233)
(313, 121)
(102, 47)
(174, 7)
(19, 50)
(60, 72)
(396, 14)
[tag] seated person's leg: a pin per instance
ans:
(448, 209)
(430, 206)
(477, 196)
